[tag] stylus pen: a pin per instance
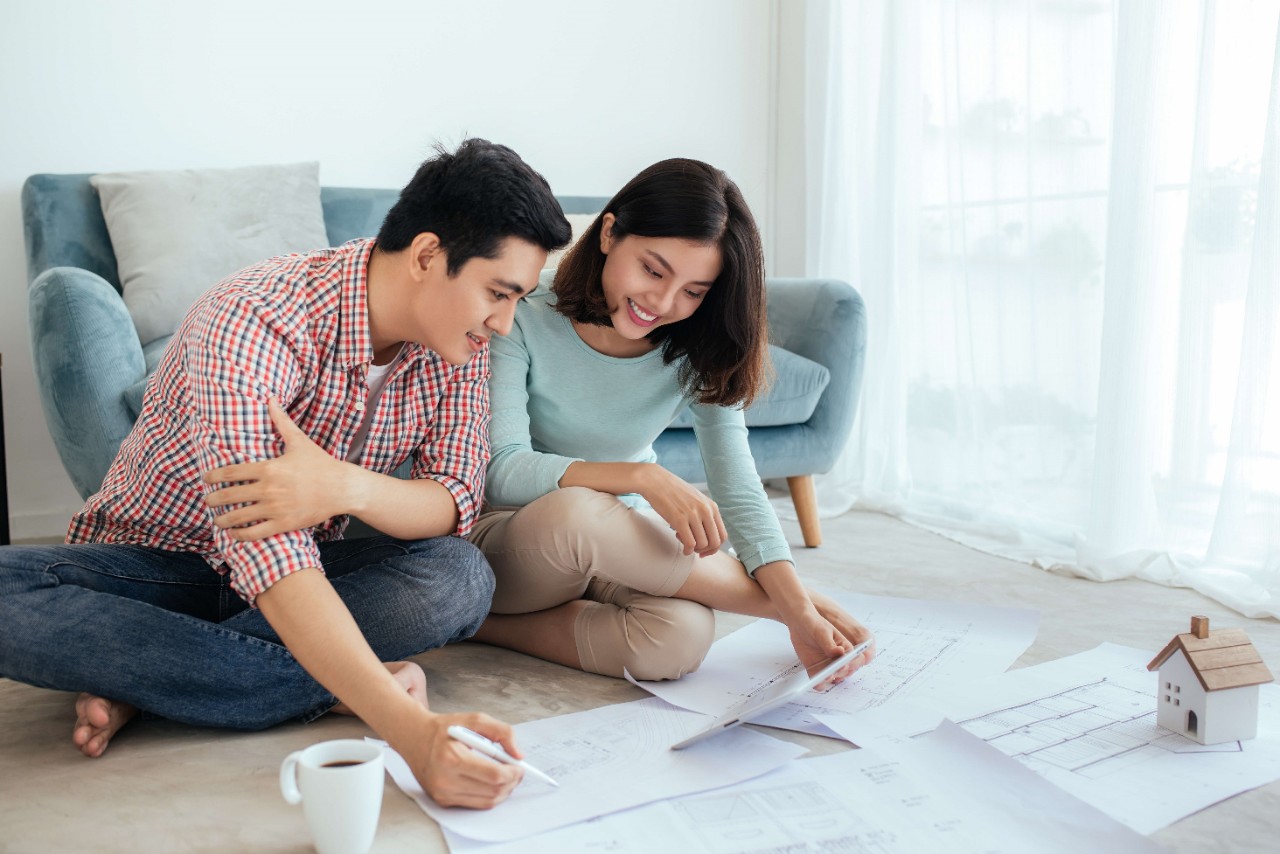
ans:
(493, 750)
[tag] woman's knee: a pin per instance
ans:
(575, 510)
(575, 534)
(667, 638)
(544, 553)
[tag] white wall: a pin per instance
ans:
(589, 92)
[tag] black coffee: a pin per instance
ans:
(341, 763)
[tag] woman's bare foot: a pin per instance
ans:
(408, 675)
(97, 720)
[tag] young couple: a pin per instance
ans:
(208, 581)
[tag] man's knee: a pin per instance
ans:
(25, 568)
(454, 557)
(455, 580)
(668, 639)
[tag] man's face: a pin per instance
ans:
(454, 316)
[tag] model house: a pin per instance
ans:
(1209, 682)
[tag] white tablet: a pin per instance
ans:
(772, 695)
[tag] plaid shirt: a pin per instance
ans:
(297, 328)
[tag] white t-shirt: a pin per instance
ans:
(377, 380)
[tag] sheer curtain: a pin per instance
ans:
(1064, 216)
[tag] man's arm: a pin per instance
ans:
(304, 486)
(318, 629)
(236, 355)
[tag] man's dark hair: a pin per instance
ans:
(473, 199)
(724, 343)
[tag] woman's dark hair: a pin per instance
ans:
(724, 343)
(473, 199)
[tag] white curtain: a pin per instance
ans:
(1065, 220)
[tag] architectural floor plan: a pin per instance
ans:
(1087, 723)
(945, 794)
(1092, 730)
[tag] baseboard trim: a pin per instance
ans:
(48, 527)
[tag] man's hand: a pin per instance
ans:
(693, 516)
(316, 626)
(295, 491)
(453, 774)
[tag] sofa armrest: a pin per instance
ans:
(824, 320)
(86, 353)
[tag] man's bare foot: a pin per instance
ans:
(408, 674)
(97, 720)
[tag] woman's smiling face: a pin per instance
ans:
(653, 281)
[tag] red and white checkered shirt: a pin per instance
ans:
(297, 328)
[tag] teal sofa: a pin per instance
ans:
(92, 368)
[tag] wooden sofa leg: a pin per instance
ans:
(805, 499)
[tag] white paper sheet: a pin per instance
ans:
(945, 794)
(1087, 723)
(607, 759)
(921, 646)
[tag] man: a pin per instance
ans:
(200, 586)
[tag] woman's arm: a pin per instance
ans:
(517, 473)
(749, 518)
(819, 628)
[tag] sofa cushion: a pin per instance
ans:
(177, 233)
(791, 398)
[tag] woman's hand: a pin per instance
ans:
(817, 640)
(693, 516)
(819, 628)
(844, 623)
(847, 627)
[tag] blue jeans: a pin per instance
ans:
(163, 631)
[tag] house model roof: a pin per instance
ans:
(1220, 660)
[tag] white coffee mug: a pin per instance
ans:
(339, 784)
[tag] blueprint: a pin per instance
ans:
(606, 759)
(1087, 724)
(921, 646)
(945, 794)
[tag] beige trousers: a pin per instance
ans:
(577, 543)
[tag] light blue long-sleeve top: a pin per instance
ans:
(556, 401)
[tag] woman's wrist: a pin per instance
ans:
(643, 476)
(614, 478)
(782, 585)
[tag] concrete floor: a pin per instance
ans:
(172, 788)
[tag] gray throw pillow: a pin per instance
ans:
(798, 383)
(177, 233)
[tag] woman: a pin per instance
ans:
(604, 560)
